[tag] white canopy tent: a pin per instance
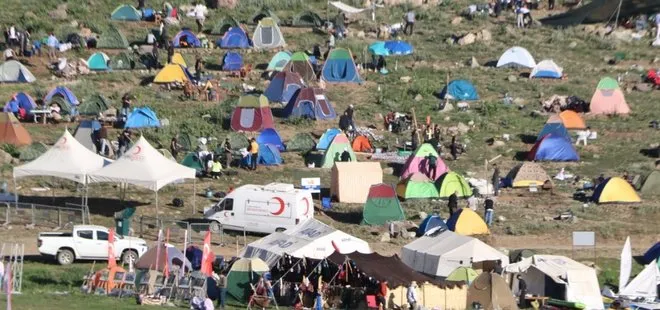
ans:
(440, 254)
(312, 239)
(142, 165)
(645, 284)
(578, 282)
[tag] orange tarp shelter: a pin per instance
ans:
(12, 132)
(361, 144)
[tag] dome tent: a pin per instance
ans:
(451, 182)
(307, 19)
(416, 185)
(467, 222)
(224, 25)
(99, 61)
(569, 118)
(340, 67)
(143, 117)
(516, 57)
(553, 148)
(310, 103)
(252, 113)
(235, 37)
(608, 98)
(526, 174)
(262, 13)
(279, 61)
(547, 69)
(267, 35)
(615, 190)
(112, 38)
(232, 61)
(13, 71)
(429, 223)
(459, 90)
(339, 143)
(301, 142)
(284, 86)
(186, 38)
(272, 137)
(94, 105)
(126, 12)
(122, 61)
(19, 101)
(556, 129)
(382, 206)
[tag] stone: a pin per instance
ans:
(418, 98)
(63, 6)
(643, 87)
(471, 123)
(512, 78)
(15, 161)
(450, 41)
(422, 215)
(361, 35)
(383, 32)
(656, 60)
(486, 35)
(622, 35)
(5, 158)
(372, 35)
(498, 143)
(548, 219)
(501, 219)
(456, 20)
(574, 219)
(462, 128)
(405, 79)
(602, 31)
(74, 23)
(436, 67)
(447, 118)
(385, 237)
(654, 145)
(388, 171)
(229, 4)
(596, 156)
(590, 29)
(474, 63)
(572, 44)
(519, 101)
(448, 107)
(467, 39)
(58, 14)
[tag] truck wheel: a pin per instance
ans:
(65, 257)
(215, 227)
(129, 256)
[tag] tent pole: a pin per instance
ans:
(618, 11)
(157, 213)
(194, 195)
(15, 193)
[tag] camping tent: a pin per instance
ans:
(192, 161)
(272, 137)
(490, 291)
(173, 73)
(556, 129)
(463, 274)
(312, 240)
(419, 162)
(12, 132)
(547, 69)
(252, 113)
(459, 90)
(645, 285)
(302, 142)
(279, 61)
(301, 64)
(18, 101)
(99, 61)
(361, 144)
(326, 138)
(569, 118)
(235, 37)
(467, 222)
(310, 103)
(268, 35)
(430, 223)
(451, 182)
(122, 61)
(263, 13)
(558, 277)
(351, 181)
(651, 184)
(526, 174)
(382, 206)
(553, 148)
(178, 59)
(155, 259)
(84, 131)
(601, 11)
(333, 153)
(417, 185)
(142, 117)
(126, 12)
(186, 38)
(307, 19)
(614, 190)
(224, 25)
(283, 87)
(112, 38)
(64, 93)
(608, 98)
(516, 57)
(232, 61)
(13, 71)
(441, 253)
(340, 67)
(94, 105)
(653, 253)
(269, 155)
(244, 273)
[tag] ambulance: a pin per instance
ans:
(274, 207)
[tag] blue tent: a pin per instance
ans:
(556, 129)
(232, 61)
(143, 117)
(127, 13)
(652, 253)
(187, 36)
(326, 138)
(459, 90)
(148, 14)
(310, 103)
(20, 100)
(553, 148)
(340, 67)
(430, 222)
(269, 155)
(270, 136)
(399, 47)
(284, 87)
(235, 37)
(63, 92)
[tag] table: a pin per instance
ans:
(540, 299)
(43, 113)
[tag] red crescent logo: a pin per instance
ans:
(63, 140)
(281, 209)
(306, 206)
(138, 149)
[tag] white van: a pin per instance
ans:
(262, 208)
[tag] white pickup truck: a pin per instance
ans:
(88, 242)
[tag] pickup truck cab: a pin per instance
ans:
(88, 242)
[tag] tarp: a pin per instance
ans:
(142, 117)
(615, 190)
(12, 132)
(307, 19)
(269, 155)
(419, 162)
(284, 86)
(429, 223)
(112, 38)
(451, 182)
(67, 159)
(300, 64)
(547, 69)
(310, 103)
(569, 118)
(347, 8)
(459, 90)
(279, 61)
(528, 173)
(173, 73)
(417, 185)
(339, 144)
(252, 114)
(313, 239)
(268, 35)
(326, 138)
(94, 105)
(168, 254)
(98, 62)
(301, 142)
(441, 253)
(13, 71)
(340, 67)
(553, 148)
(63, 92)
(126, 12)
(467, 222)
(232, 62)
(598, 11)
(188, 37)
(556, 129)
(272, 137)
(491, 291)
(18, 101)
(382, 206)
(142, 165)
(235, 37)
(351, 181)
(516, 57)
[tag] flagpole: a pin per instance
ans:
(185, 246)
(160, 234)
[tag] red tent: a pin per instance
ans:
(252, 114)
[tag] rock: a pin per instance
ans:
(474, 63)
(498, 143)
(447, 118)
(63, 6)
(450, 41)
(596, 156)
(29, 226)
(15, 161)
(471, 123)
(229, 4)
(405, 79)
(457, 20)
(656, 60)
(643, 87)
(58, 14)
(512, 78)
(574, 219)
(548, 219)
(448, 107)
(572, 44)
(74, 23)
(422, 215)
(361, 35)
(436, 67)
(654, 145)
(602, 31)
(385, 237)
(519, 101)
(388, 171)
(383, 33)
(418, 98)
(467, 39)
(5, 158)
(372, 35)
(501, 219)
(29, 15)
(486, 35)
(462, 128)
(590, 29)
(622, 35)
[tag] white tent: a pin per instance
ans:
(312, 239)
(267, 35)
(516, 57)
(547, 69)
(645, 284)
(573, 281)
(441, 254)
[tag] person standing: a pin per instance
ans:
(13, 36)
(350, 112)
(381, 296)
(254, 153)
(433, 165)
(522, 291)
(411, 295)
(198, 67)
(409, 18)
(170, 51)
(105, 144)
(330, 43)
(52, 43)
(227, 150)
(175, 147)
(140, 5)
(415, 139)
(452, 203)
(657, 26)
(489, 207)
(453, 148)
(496, 180)
(199, 16)
(154, 53)
(345, 156)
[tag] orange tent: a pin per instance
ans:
(570, 119)
(12, 132)
(361, 144)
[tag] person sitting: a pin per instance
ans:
(216, 168)
(55, 113)
(9, 54)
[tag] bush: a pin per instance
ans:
(11, 150)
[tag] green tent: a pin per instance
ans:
(187, 141)
(462, 274)
(279, 61)
(244, 272)
(263, 13)
(65, 108)
(307, 19)
(126, 13)
(607, 83)
(451, 182)
(224, 25)
(237, 141)
(651, 184)
(94, 105)
(333, 153)
(192, 161)
(112, 38)
(98, 62)
(32, 151)
(382, 206)
(416, 185)
(301, 142)
(122, 61)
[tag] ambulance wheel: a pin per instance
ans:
(215, 227)
(280, 229)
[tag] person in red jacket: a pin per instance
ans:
(381, 296)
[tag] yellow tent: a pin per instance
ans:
(615, 190)
(178, 59)
(172, 73)
(467, 222)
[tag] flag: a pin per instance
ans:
(626, 265)
(207, 256)
(185, 247)
(166, 268)
(112, 260)
(9, 285)
(160, 238)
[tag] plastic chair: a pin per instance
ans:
(326, 203)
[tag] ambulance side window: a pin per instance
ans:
(227, 204)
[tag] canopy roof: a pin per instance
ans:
(144, 166)
(67, 159)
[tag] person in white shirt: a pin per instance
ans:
(583, 136)
(9, 54)
(412, 296)
(657, 26)
(13, 36)
(151, 38)
(200, 11)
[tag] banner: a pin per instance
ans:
(207, 256)
(158, 243)
(8, 284)
(166, 268)
(112, 260)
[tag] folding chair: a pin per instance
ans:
(102, 284)
(127, 284)
(183, 289)
(197, 284)
(169, 286)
